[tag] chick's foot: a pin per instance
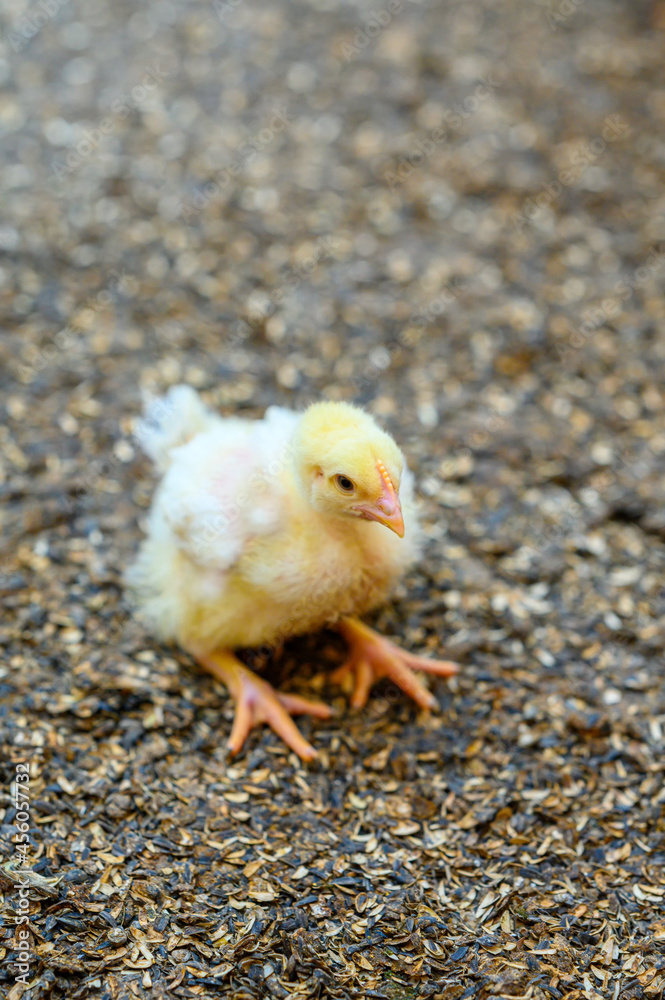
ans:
(258, 702)
(373, 657)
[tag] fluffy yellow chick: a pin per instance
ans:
(262, 530)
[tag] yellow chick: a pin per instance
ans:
(266, 529)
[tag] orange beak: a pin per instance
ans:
(387, 509)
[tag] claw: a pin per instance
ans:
(373, 657)
(257, 702)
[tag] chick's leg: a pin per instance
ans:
(257, 702)
(372, 657)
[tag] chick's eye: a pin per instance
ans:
(345, 484)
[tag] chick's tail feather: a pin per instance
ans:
(170, 421)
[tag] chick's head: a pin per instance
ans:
(347, 466)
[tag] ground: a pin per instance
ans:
(453, 214)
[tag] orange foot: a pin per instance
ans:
(257, 702)
(372, 657)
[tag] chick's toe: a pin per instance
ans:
(372, 657)
(258, 702)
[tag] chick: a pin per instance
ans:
(263, 530)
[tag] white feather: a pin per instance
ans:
(170, 421)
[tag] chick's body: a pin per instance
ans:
(236, 555)
(262, 530)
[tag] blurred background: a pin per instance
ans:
(452, 213)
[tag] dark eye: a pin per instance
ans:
(345, 484)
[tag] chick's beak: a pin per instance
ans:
(387, 508)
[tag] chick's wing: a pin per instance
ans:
(225, 487)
